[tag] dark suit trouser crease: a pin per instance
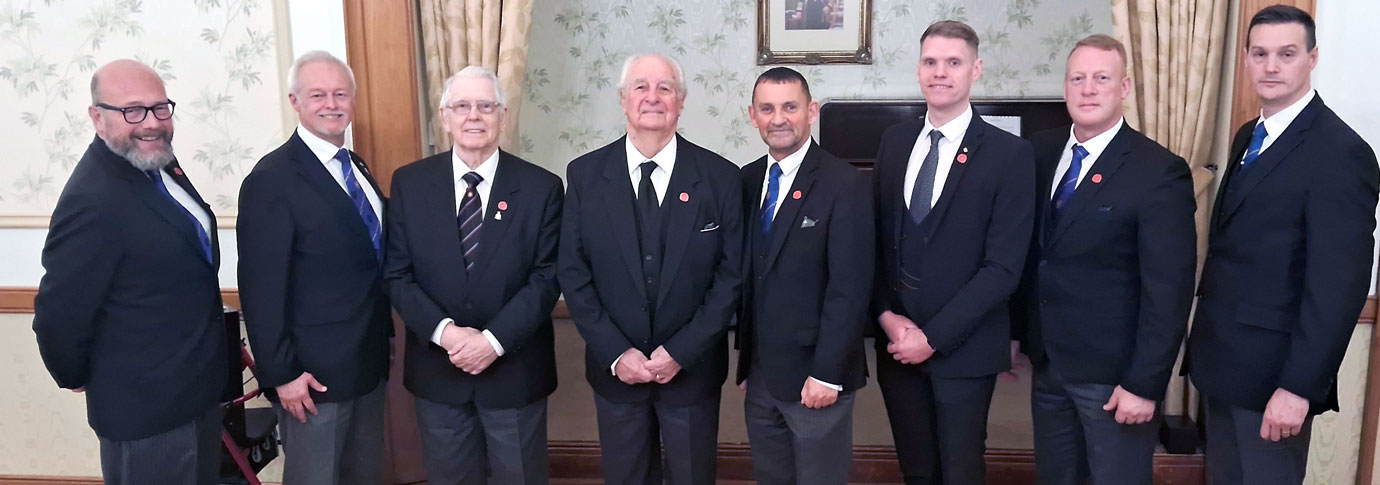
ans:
(1237, 455)
(632, 436)
(189, 453)
(341, 444)
(1075, 440)
(794, 444)
(939, 424)
(470, 445)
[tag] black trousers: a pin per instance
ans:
(632, 436)
(1236, 454)
(939, 424)
(1075, 440)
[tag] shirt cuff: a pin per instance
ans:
(498, 348)
(835, 387)
(613, 368)
(440, 328)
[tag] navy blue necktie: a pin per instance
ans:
(769, 205)
(922, 193)
(1257, 141)
(200, 231)
(470, 218)
(366, 211)
(1064, 192)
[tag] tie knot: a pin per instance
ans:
(775, 170)
(473, 178)
(1260, 130)
(153, 175)
(935, 136)
(343, 156)
(647, 168)
(1079, 152)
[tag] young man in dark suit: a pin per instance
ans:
(128, 310)
(955, 207)
(808, 276)
(311, 247)
(1103, 303)
(1286, 271)
(472, 270)
(650, 266)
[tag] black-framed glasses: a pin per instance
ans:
(137, 114)
(463, 107)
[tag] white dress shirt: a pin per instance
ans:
(661, 175)
(948, 148)
(1095, 146)
(789, 167)
(486, 170)
(661, 178)
(1277, 123)
(185, 200)
(325, 152)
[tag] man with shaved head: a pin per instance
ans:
(649, 264)
(128, 311)
(310, 239)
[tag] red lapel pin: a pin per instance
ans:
(962, 158)
(795, 195)
(503, 205)
(1097, 178)
(177, 170)
(684, 197)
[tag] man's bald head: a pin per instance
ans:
(127, 85)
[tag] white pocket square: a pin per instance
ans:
(710, 227)
(808, 223)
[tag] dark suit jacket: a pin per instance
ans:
(1105, 297)
(129, 307)
(601, 275)
(975, 240)
(1286, 272)
(510, 292)
(310, 282)
(807, 288)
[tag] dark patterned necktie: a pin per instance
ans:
(470, 219)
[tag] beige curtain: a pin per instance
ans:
(460, 33)
(1175, 49)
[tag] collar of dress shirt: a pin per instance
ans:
(1097, 143)
(1274, 125)
(953, 130)
(792, 162)
(665, 159)
(487, 169)
(325, 151)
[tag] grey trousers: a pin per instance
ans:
(1076, 440)
(189, 454)
(470, 445)
(1236, 454)
(794, 444)
(341, 444)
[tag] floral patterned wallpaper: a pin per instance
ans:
(219, 59)
(578, 46)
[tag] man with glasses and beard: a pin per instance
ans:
(129, 310)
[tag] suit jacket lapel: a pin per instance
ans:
(441, 225)
(1046, 162)
(314, 173)
(1228, 173)
(1104, 166)
(680, 214)
(505, 188)
(1248, 178)
(895, 188)
(970, 150)
(182, 181)
(169, 210)
(784, 222)
(617, 194)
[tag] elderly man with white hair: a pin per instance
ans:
(651, 241)
(471, 268)
(311, 247)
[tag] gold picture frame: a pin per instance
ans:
(814, 32)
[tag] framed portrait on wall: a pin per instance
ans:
(814, 32)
